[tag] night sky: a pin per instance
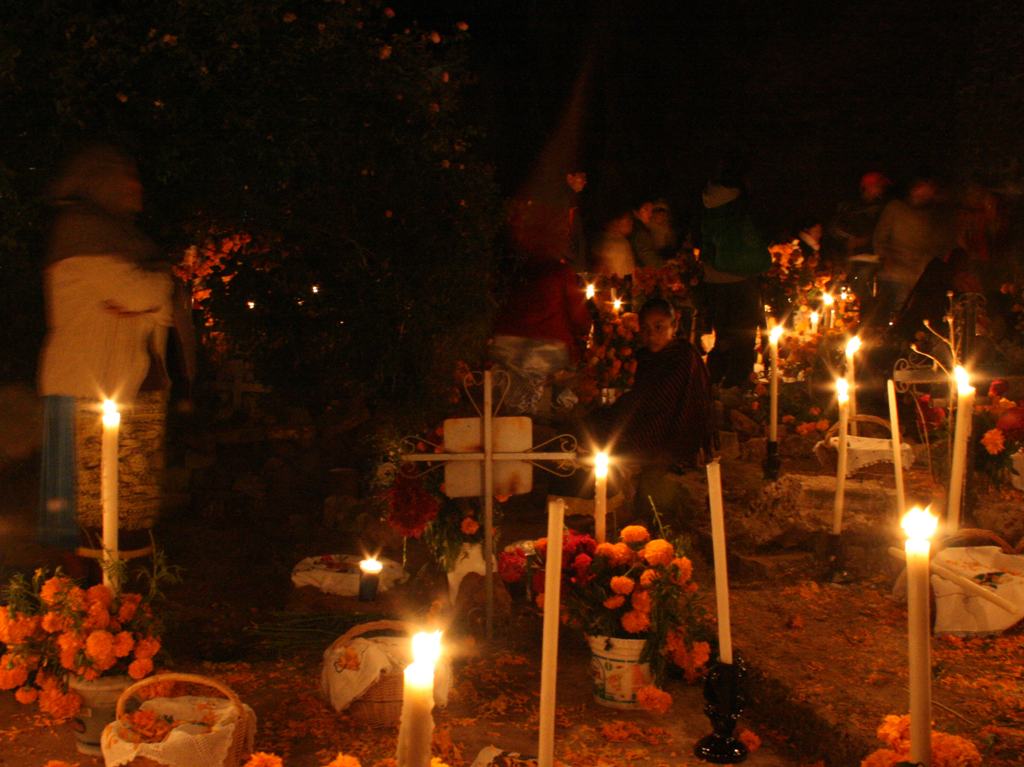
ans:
(814, 93)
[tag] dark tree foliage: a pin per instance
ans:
(331, 134)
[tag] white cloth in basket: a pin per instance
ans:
(187, 745)
(959, 612)
(866, 451)
(339, 574)
(350, 671)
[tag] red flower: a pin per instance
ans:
(582, 567)
(512, 565)
(411, 506)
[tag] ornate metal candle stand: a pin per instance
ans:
(725, 700)
(772, 464)
(835, 558)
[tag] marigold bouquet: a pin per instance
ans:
(947, 750)
(52, 631)
(638, 588)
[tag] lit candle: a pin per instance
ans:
(815, 317)
(417, 724)
(600, 495)
(773, 401)
(843, 398)
(897, 446)
(369, 578)
(591, 291)
(721, 568)
(852, 347)
(549, 651)
(919, 526)
(108, 489)
(961, 435)
(826, 301)
(617, 305)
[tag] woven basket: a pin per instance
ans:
(381, 704)
(237, 754)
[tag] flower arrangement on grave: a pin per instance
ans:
(264, 759)
(636, 588)
(54, 631)
(611, 361)
(947, 750)
(999, 434)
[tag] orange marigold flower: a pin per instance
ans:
(622, 584)
(58, 705)
(129, 605)
(650, 698)
(54, 623)
(750, 739)
(124, 643)
(21, 629)
(684, 567)
(100, 594)
(954, 750)
(98, 617)
(894, 729)
(635, 534)
(622, 554)
(12, 674)
(648, 577)
(26, 695)
(139, 668)
(658, 552)
(53, 588)
(263, 759)
(99, 646)
(636, 622)
(469, 526)
(994, 441)
(147, 648)
(605, 550)
(344, 760)
(615, 602)
(641, 601)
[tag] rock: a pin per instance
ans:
(743, 424)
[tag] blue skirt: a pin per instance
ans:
(58, 525)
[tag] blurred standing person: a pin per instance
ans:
(613, 254)
(666, 240)
(910, 233)
(733, 253)
(852, 228)
(110, 300)
(641, 238)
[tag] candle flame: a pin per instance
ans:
(617, 304)
(601, 464)
(814, 318)
(963, 380)
(591, 290)
(852, 346)
(919, 524)
(827, 299)
(111, 417)
(842, 390)
(315, 288)
(371, 566)
(775, 334)
(426, 648)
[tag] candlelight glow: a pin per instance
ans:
(371, 566)
(919, 524)
(591, 290)
(775, 334)
(601, 464)
(111, 417)
(426, 648)
(251, 304)
(842, 390)
(814, 318)
(316, 288)
(827, 299)
(963, 380)
(852, 346)
(617, 304)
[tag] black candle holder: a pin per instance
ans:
(725, 700)
(835, 557)
(368, 583)
(772, 464)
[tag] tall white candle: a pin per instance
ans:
(600, 496)
(815, 319)
(108, 489)
(416, 730)
(721, 567)
(843, 398)
(897, 446)
(549, 652)
(852, 347)
(827, 301)
(919, 526)
(773, 395)
(961, 436)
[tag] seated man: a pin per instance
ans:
(666, 421)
